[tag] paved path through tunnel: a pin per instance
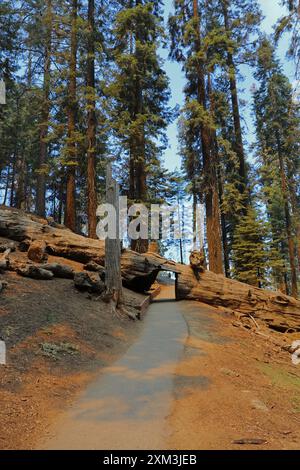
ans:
(126, 408)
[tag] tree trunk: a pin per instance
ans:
(43, 156)
(113, 277)
(194, 197)
(20, 199)
(215, 153)
(238, 147)
(138, 149)
(70, 210)
(91, 131)
(131, 174)
(13, 182)
(60, 200)
(209, 165)
(288, 221)
(131, 140)
(6, 186)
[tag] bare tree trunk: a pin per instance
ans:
(131, 174)
(113, 277)
(131, 140)
(224, 228)
(20, 191)
(209, 165)
(43, 156)
(13, 181)
(194, 220)
(288, 222)
(91, 131)
(60, 200)
(70, 212)
(238, 147)
(139, 170)
(6, 186)
(219, 185)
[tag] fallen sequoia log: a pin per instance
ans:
(60, 241)
(139, 271)
(280, 312)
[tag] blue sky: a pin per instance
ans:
(272, 10)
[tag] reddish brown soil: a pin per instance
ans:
(232, 384)
(39, 380)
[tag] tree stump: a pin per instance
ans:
(113, 276)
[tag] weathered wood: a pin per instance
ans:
(4, 260)
(279, 311)
(113, 277)
(197, 260)
(89, 281)
(7, 245)
(3, 285)
(37, 251)
(96, 268)
(19, 226)
(60, 270)
(138, 270)
(35, 272)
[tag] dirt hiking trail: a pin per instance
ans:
(190, 381)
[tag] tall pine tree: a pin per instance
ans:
(276, 114)
(140, 94)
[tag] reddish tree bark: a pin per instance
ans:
(70, 210)
(43, 156)
(209, 165)
(91, 131)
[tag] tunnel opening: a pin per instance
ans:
(164, 288)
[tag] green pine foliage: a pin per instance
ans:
(277, 127)
(139, 94)
(250, 253)
(290, 23)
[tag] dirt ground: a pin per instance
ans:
(57, 340)
(232, 385)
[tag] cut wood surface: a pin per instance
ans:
(139, 272)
